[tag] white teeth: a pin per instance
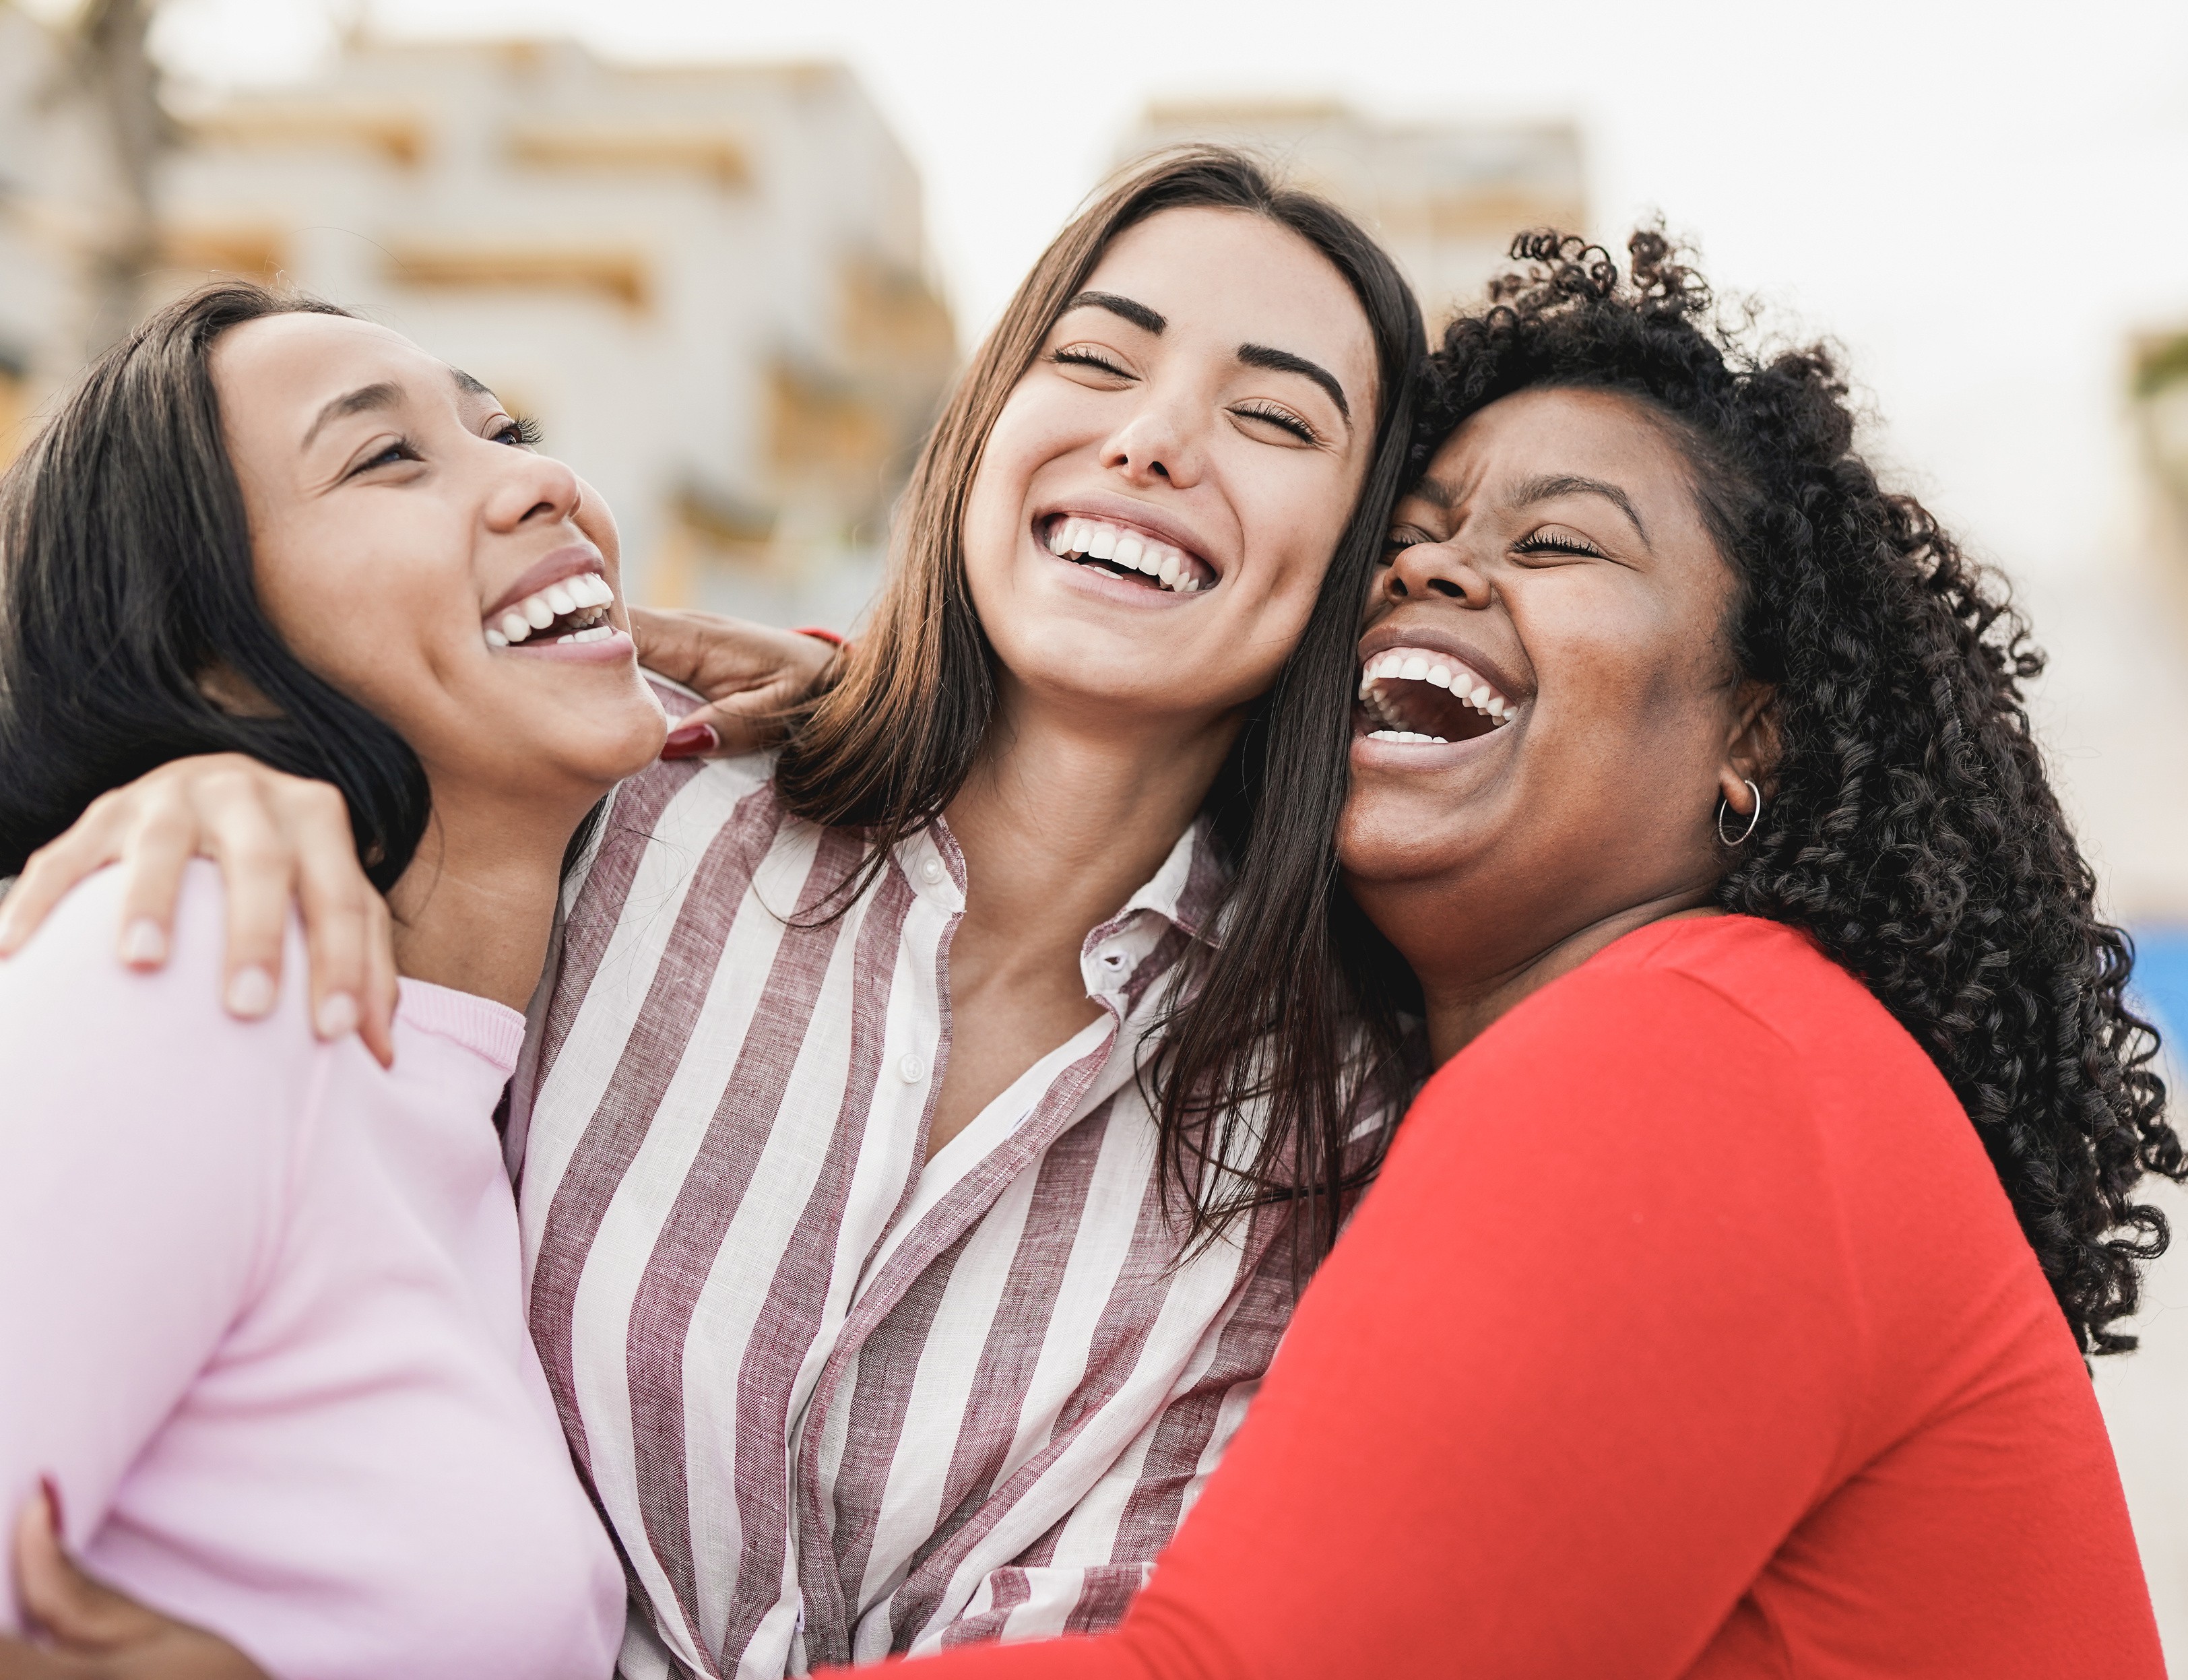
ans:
(514, 627)
(1127, 550)
(559, 599)
(495, 639)
(1407, 738)
(1417, 665)
(537, 613)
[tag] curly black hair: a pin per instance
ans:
(1910, 828)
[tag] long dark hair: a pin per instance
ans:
(1911, 829)
(889, 746)
(126, 577)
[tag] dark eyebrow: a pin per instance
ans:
(1137, 313)
(1553, 485)
(384, 395)
(1436, 493)
(466, 382)
(1283, 362)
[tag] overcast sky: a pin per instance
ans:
(1982, 202)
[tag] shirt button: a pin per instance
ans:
(912, 1068)
(930, 870)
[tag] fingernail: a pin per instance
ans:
(337, 1016)
(52, 1489)
(251, 994)
(691, 741)
(143, 945)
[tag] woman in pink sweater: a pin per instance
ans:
(274, 1375)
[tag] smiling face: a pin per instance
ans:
(1157, 503)
(414, 553)
(1549, 707)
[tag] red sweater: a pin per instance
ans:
(1688, 1332)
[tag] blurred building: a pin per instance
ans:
(707, 284)
(74, 219)
(1444, 199)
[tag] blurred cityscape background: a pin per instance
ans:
(701, 247)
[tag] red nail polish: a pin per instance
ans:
(691, 741)
(51, 1489)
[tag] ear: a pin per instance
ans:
(1751, 746)
(235, 693)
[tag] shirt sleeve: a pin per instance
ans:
(145, 1142)
(1585, 1356)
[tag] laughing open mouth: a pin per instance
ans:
(1419, 697)
(1127, 553)
(574, 610)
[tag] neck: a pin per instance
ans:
(1062, 821)
(475, 908)
(1462, 1007)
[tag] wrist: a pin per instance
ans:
(834, 638)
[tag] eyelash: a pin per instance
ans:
(1087, 359)
(1544, 541)
(522, 430)
(1280, 417)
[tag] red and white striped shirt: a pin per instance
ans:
(837, 1400)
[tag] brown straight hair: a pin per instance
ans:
(888, 747)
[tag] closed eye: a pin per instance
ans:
(1556, 542)
(385, 454)
(1283, 418)
(1404, 537)
(1078, 356)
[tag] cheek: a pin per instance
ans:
(1026, 435)
(385, 633)
(1292, 522)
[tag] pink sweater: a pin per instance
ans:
(261, 1318)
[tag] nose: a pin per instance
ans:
(530, 488)
(1158, 445)
(1428, 569)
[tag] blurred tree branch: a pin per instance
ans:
(115, 69)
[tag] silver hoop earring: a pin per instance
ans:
(1753, 817)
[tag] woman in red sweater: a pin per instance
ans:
(1691, 1329)
(1721, 1306)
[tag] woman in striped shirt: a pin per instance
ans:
(904, 1178)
